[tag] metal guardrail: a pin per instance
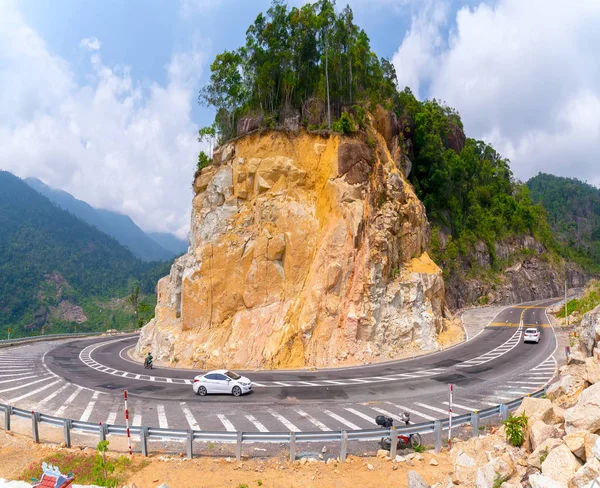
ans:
(50, 337)
(239, 438)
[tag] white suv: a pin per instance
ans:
(531, 335)
(221, 381)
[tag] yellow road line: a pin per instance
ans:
(526, 307)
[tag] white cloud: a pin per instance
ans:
(523, 75)
(109, 141)
(188, 8)
(90, 43)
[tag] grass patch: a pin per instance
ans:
(589, 300)
(85, 466)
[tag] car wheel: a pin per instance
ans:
(237, 391)
(201, 391)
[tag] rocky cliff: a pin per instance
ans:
(306, 250)
(524, 270)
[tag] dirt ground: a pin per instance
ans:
(18, 452)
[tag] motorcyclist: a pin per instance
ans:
(148, 359)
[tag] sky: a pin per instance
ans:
(99, 98)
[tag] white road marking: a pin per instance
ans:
(502, 398)
(112, 416)
(189, 416)
(281, 383)
(461, 407)
(11, 375)
(226, 423)
(414, 412)
(162, 417)
(388, 414)
(284, 421)
(333, 382)
(46, 378)
(19, 379)
(68, 402)
(342, 420)
(312, 420)
(90, 407)
(257, 424)
(435, 409)
(254, 383)
(137, 414)
(45, 400)
(31, 393)
(361, 415)
(13, 370)
(307, 383)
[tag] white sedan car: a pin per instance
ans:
(221, 381)
(531, 335)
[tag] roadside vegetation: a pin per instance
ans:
(577, 307)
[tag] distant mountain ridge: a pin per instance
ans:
(58, 272)
(155, 247)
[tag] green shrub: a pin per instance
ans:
(515, 428)
(344, 125)
(203, 161)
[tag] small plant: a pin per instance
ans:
(103, 469)
(203, 161)
(259, 482)
(543, 455)
(395, 272)
(419, 449)
(242, 485)
(498, 480)
(515, 428)
(344, 125)
(211, 445)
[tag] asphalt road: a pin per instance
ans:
(469, 366)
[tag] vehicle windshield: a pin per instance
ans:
(531, 331)
(232, 375)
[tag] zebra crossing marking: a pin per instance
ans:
(19, 379)
(312, 420)
(226, 423)
(284, 421)
(189, 416)
(137, 414)
(256, 423)
(435, 409)
(361, 415)
(461, 407)
(52, 395)
(112, 416)
(162, 416)
(85, 416)
(68, 402)
(411, 411)
(341, 419)
(45, 378)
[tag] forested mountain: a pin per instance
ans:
(170, 242)
(573, 213)
(116, 225)
(57, 271)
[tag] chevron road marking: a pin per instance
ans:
(45, 400)
(461, 407)
(45, 378)
(226, 423)
(85, 416)
(435, 409)
(189, 416)
(19, 379)
(361, 415)
(341, 419)
(284, 421)
(31, 393)
(68, 402)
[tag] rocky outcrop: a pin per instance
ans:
(590, 331)
(525, 276)
(249, 123)
(305, 250)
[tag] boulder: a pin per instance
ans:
(592, 370)
(249, 123)
(536, 409)
(539, 432)
(387, 125)
(415, 480)
(586, 474)
(560, 464)
(586, 414)
(354, 161)
(541, 481)
(590, 441)
(576, 357)
(456, 138)
(485, 477)
(575, 441)
(565, 392)
(542, 451)
(590, 331)
(314, 112)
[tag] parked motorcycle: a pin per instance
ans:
(404, 441)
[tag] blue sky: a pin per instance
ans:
(99, 97)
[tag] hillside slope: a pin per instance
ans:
(116, 225)
(57, 271)
(573, 214)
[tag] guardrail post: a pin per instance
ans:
(437, 429)
(7, 413)
(144, 440)
(344, 449)
(102, 431)
(394, 445)
(503, 412)
(292, 447)
(190, 443)
(238, 447)
(67, 429)
(475, 423)
(35, 433)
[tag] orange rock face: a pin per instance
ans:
(306, 250)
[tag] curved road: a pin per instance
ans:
(493, 367)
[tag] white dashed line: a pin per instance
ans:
(68, 402)
(90, 407)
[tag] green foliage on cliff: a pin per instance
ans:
(573, 214)
(589, 300)
(48, 256)
(292, 55)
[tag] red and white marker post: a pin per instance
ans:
(450, 395)
(127, 423)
